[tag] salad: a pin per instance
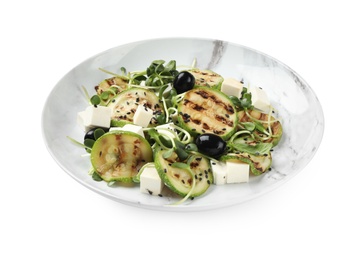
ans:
(183, 128)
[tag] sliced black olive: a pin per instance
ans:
(211, 145)
(184, 81)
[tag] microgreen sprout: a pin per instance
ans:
(78, 143)
(86, 93)
(166, 110)
(95, 100)
(244, 102)
(110, 73)
(95, 176)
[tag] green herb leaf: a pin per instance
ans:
(89, 143)
(180, 165)
(98, 132)
(260, 127)
(250, 126)
(246, 101)
(95, 100)
(168, 153)
(170, 66)
(181, 153)
(236, 102)
(160, 118)
(191, 147)
(105, 95)
(96, 177)
(166, 142)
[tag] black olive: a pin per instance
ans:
(211, 145)
(90, 134)
(184, 81)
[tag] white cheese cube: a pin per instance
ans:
(167, 129)
(92, 117)
(259, 99)
(134, 128)
(116, 128)
(81, 120)
(131, 128)
(232, 87)
(142, 116)
(150, 182)
(219, 172)
(237, 172)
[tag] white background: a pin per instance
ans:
(45, 214)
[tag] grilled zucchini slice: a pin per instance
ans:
(179, 180)
(258, 163)
(207, 78)
(119, 82)
(206, 110)
(119, 155)
(276, 127)
(124, 105)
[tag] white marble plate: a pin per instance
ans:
(296, 103)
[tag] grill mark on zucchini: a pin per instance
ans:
(118, 155)
(179, 180)
(205, 95)
(205, 110)
(125, 104)
(207, 78)
(198, 108)
(258, 164)
(276, 126)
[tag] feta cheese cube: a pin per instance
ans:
(259, 99)
(92, 117)
(150, 182)
(219, 172)
(237, 172)
(167, 129)
(232, 87)
(116, 128)
(81, 120)
(142, 116)
(131, 128)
